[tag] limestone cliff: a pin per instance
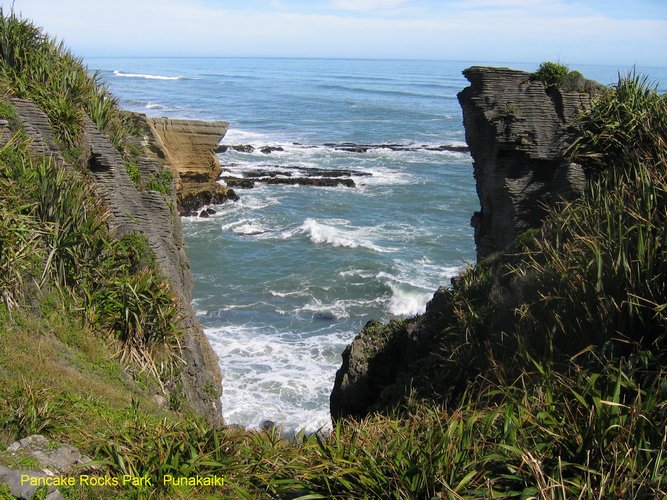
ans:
(518, 132)
(147, 212)
(187, 147)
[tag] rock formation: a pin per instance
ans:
(188, 148)
(518, 133)
(53, 458)
(147, 212)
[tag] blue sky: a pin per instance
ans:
(585, 31)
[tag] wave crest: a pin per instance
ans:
(147, 77)
(320, 233)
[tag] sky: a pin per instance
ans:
(623, 32)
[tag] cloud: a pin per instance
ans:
(367, 4)
(203, 28)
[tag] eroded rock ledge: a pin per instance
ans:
(187, 147)
(149, 213)
(518, 133)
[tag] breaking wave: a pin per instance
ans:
(147, 77)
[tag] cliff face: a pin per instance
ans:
(146, 212)
(187, 148)
(518, 132)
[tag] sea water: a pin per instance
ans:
(286, 276)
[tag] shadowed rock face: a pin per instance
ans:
(187, 147)
(146, 212)
(518, 133)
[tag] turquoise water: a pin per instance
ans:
(289, 274)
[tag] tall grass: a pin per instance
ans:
(54, 234)
(574, 432)
(40, 68)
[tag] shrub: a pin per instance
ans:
(162, 182)
(39, 68)
(551, 74)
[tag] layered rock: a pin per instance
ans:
(518, 132)
(377, 366)
(146, 212)
(188, 148)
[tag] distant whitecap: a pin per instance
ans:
(147, 77)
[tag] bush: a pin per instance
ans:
(551, 74)
(37, 67)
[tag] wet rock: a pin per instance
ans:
(241, 148)
(270, 149)
(237, 182)
(309, 181)
(189, 205)
(268, 425)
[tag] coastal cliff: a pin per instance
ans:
(518, 131)
(187, 147)
(145, 212)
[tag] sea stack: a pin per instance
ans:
(188, 147)
(518, 131)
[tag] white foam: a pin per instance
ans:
(321, 233)
(356, 272)
(407, 301)
(270, 376)
(147, 77)
(154, 105)
(339, 309)
(238, 136)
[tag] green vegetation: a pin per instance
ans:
(551, 74)
(39, 68)
(545, 377)
(55, 235)
(161, 182)
(558, 76)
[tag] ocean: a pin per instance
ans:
(286, 276)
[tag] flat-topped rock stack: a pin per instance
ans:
(518, 132)
(188, 148)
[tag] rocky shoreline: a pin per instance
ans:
(235, 176)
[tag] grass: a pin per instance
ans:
(55, 237)
(37, 67)
(563, 433)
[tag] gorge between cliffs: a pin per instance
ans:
(287, 275)
(182, 317)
